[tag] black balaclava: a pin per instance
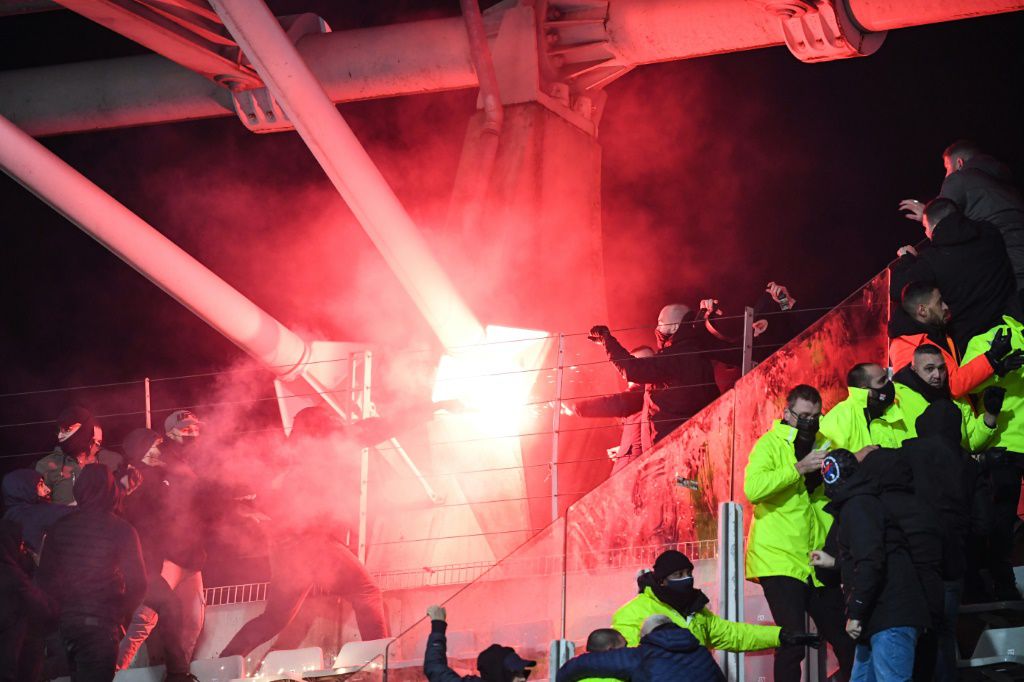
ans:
(942, 418)
(95, 489)
(877, 405)
(836, 471)
(680, 593)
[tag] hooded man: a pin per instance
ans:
(870, 415)
(666, 653)
(92, 566)
(984, 188)
(885, 605)
(25, 502)
(680, 378)
(307, 544)
(967, 261)
(496, 663)
(152, 509)
(79, 440)
(926, 381)
(941, 473)
(783, 482)
(670, 592)
(926, 321)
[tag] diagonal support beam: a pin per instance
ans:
(350, 169)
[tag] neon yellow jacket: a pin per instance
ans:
(975, 433)
(1010, 423)
(710, 630)
(788, 521)
(846, 424)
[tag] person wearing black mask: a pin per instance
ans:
(885, 605)
(783, 482)
(680, 377)
(870, 415)
(496, 663)
(91, 564)
(671, 592)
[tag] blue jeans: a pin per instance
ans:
(887, 657)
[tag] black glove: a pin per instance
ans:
(1010, 363)
(993, 399)
(790, 638)
(1000, 346)
(598, 333)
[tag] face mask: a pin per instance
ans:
(680, 585)
(188, 439)
(807, 424)
(877, 405)
(152, 458)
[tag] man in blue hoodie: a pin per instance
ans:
(666, 653)
(26, 503)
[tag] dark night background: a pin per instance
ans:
(719, 174)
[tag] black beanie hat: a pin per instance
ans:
(670, 561)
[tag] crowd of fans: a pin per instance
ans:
(876, 519)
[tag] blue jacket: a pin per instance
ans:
(668, 654)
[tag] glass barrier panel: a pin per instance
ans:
(517, 603)
(668, 499)
(855, 331)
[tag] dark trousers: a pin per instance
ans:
(1006, 480)
(295, 567)
(789, 601)
(91, 645)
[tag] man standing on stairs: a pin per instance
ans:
(680, 375)
(783, 482)
(870, 415)
(670, 592)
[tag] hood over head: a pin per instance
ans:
(95, 489)
(942, 419)
(137, 444)
(889, 469)
(844, 478)
(671, 637)
(19, 487)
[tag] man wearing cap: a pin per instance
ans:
(671, 592)
(79, 439)
(496, 663)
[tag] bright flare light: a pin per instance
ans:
(493, 380)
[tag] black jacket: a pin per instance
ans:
(91, 563)
(920, 522)
(667, 654)
(435, 659)
(680, 376)
(24, 609)
(984, 190)
(879, 581)
(967, 260)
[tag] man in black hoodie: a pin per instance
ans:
(25, 503)
(885, 605)
(680, 377)
(496, 663)
(967, 260)
(983, 187)
(23, 609)
(92, 566)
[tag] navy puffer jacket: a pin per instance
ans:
(668, 654)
